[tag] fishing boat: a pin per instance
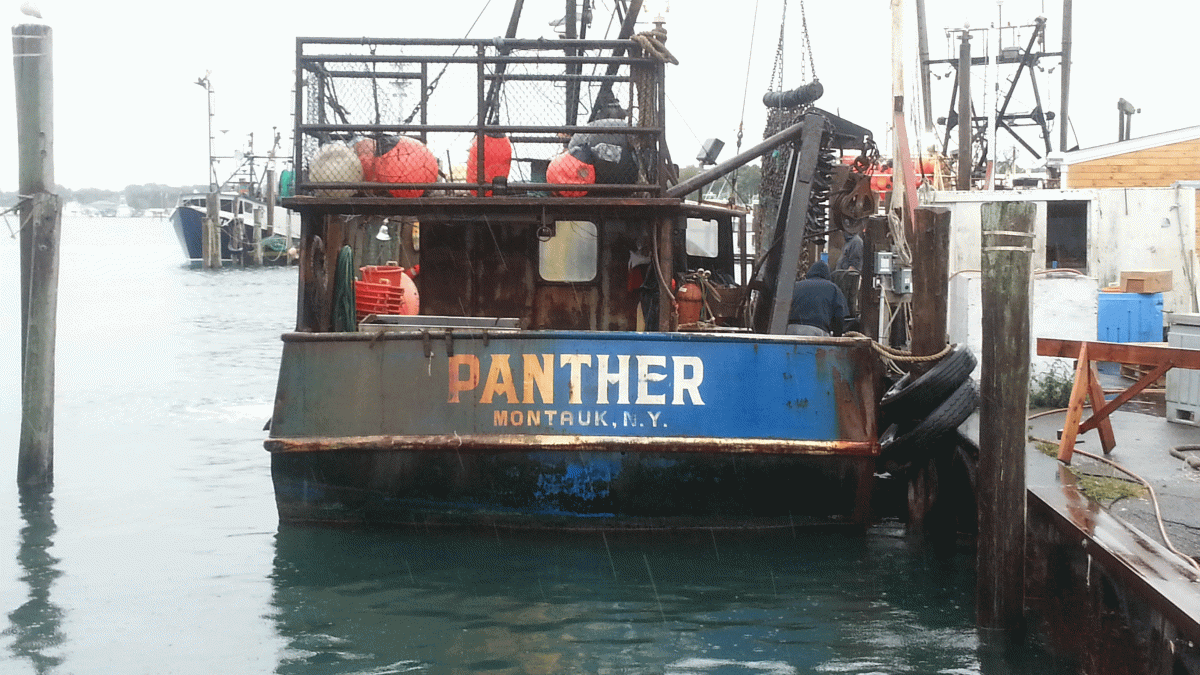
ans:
(539, 341)
(246, 204)
(241, 218)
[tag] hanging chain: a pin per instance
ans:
(807, 44)
(777, 68)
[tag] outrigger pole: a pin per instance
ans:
(492, 111)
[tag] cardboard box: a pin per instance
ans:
(1146, 281)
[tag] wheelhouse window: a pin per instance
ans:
(570, 254)
(703, 238)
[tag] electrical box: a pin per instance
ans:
(883, 263)
(1183, 385)
(902, 280)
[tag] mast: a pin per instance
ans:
(923, 47)
(492, 111)
(572, 68)
(1063, 119)
(627, 26)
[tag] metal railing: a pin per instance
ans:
(401, 118)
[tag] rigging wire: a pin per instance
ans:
(434, 83)
(745, 94)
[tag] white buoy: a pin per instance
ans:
(335, 163)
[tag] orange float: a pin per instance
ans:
(365, 149)
(497, 159)
(570, 170)
(408, 162)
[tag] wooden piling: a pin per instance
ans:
(41, 220)
(931, 279)
(211, 242)
(1004, 388)
(270, 199)
(965, 124)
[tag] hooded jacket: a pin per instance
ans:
(817, 301)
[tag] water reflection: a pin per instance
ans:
(36, 626)
(357, 602)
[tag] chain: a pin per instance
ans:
(777, 68)
(807, 45)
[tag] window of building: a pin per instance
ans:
(1066, 235)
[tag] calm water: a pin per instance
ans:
(160, 552)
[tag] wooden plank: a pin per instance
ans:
(1116, 352)
(1184, 164)
(1124, 397)
(1102, 422)
(1066, 444)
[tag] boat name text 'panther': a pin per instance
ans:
(641, 379)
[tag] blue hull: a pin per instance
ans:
(188, 224)
(574, 430)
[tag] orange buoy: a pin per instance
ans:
(411, 303)
(497, 159)
(689, 300)
(569, 169)
(365, 149)
(409, 162)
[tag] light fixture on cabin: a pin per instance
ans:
(709, 151)
(383, 233)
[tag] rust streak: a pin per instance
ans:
(536, 443)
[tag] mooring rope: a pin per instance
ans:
(1162, 530)
(899, 354)
(651, 42)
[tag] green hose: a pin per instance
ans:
(343, 293)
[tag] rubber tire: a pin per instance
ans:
(910, 399)
(904, 446)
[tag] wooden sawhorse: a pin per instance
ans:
(1087, 383)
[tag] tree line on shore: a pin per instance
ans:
(137, 197)
(158, 196)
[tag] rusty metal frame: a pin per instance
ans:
(623, 53)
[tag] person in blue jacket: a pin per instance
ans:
(818, 305)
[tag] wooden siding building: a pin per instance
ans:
(1158, 160)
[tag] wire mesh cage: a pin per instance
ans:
(443, 118)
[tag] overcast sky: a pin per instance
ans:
(128, 111)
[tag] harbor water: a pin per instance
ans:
(159, 549)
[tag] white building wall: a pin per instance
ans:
(1128, 229)
(1064, 307)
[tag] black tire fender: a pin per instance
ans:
(903, 446)
(911, 398)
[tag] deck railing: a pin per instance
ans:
(399, 118)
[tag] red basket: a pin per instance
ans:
(376, 298)
(382, 274)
